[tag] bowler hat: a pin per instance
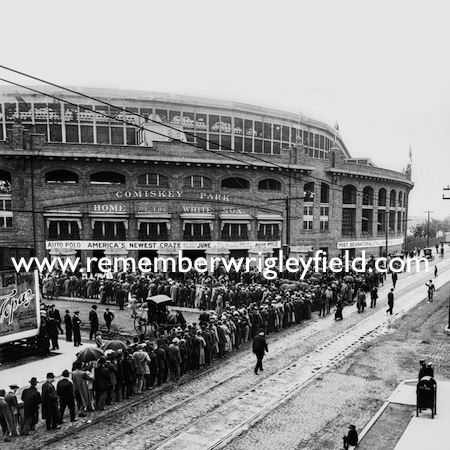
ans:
(33, 381)
(50, 375)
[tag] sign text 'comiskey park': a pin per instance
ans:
(171, 194)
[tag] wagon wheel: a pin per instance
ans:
(140, 325)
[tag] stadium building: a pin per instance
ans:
(124, 173)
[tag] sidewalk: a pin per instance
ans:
(62, 360)
(414, 432)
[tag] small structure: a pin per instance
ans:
(426, 395)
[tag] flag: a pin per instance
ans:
(410, 154)
(20, 99)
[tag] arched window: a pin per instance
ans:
(5, 182)
(382, 197)
(392, 199)
(197, 181)
(107, 178)
(308, 192)
(61, 176)
(368, 196)
(349, 195)
(235, 183)
(269, 185)
(153, 179)
(400, 199)
(324, 193)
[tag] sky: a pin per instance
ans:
(381, 69)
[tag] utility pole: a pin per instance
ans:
(428, 227)
(447, 330)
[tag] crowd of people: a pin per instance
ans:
(236, 308)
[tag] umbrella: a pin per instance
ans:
(160, 299)
(114, 345)
(90, 354)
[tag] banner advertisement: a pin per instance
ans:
(19, 306)
(364, 244)
(159, 245)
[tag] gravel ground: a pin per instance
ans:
(353, 391)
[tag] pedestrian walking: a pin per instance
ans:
(435, 271)
(390, 301)
(93, 321)
(361, 300)
(373, 297)
(259, 349)
(50, 404)
(394, 278)
(431, 290)
(109, 317)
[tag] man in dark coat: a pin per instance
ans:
(76, 322)
(50, 403)
(153, 366)
(259, 349)
(222, 339)
(162, 364)
(390, 301)
(64, 389)
(102, 382)
(52, 329)
(68, 325)
(109, 317)
(209, 346)
(93, 321)
(351, 438)
(31, 400)
(128, 374)
(120, 297)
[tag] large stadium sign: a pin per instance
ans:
(19, 306)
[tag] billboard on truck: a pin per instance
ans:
(19, 306)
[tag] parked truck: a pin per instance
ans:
(20, 317)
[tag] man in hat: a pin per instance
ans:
(64, 389)
(13, 404)
(93, 321)
(142, 365)
(259, 349)
(351, 438)
(76, 322)
(6, 418)
(390, 301)
(109, 317)
(50, 403)
(69, 326)
(102, 382)
(31, 400)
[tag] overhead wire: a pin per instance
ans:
(250, 155)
